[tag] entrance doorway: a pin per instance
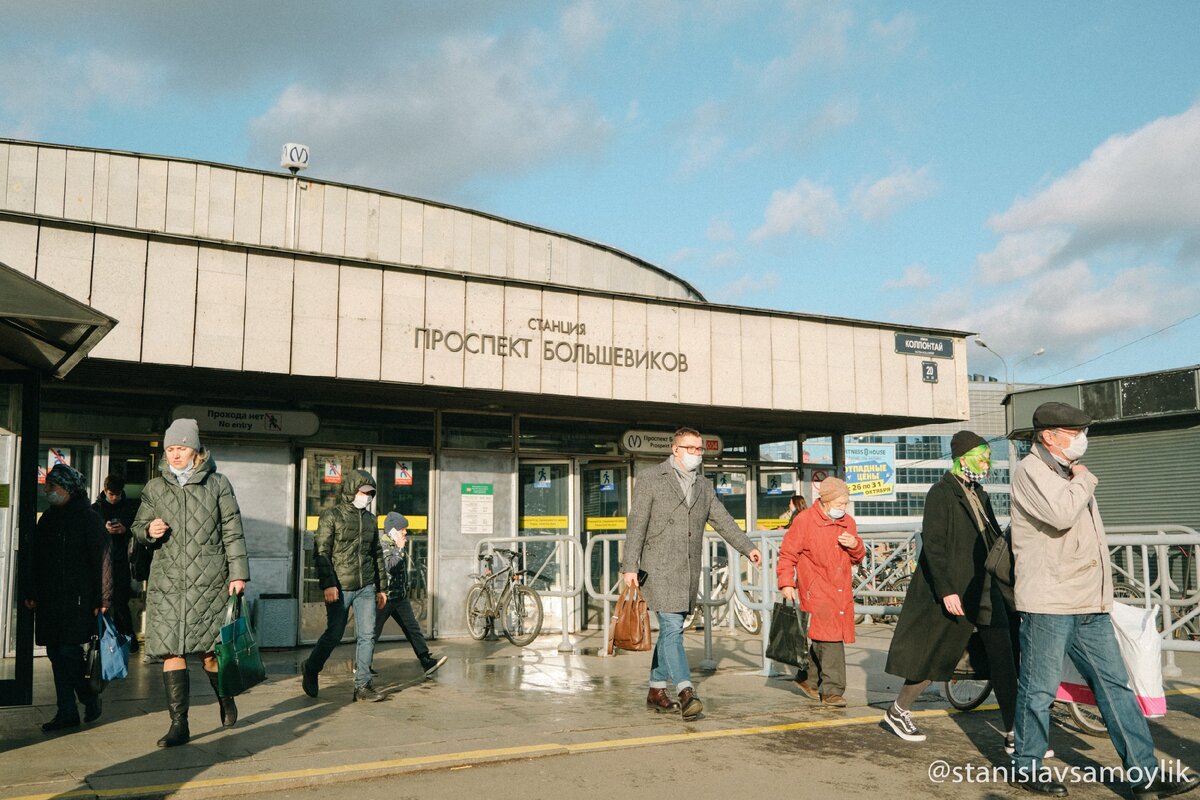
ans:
(603, 508)
(323, 473)
(403, 484)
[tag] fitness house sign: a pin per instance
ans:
(568, 352)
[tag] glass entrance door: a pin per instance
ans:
(18, 496)
(544, 508)
(775, 490)
(323, 472)
(604, 508)
(403, 483)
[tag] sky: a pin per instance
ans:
(1025, 171)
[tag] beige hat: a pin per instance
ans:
(832, 489)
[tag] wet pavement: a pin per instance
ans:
(492, 702)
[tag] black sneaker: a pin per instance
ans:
(901, 722)
(431, 664)
(367, 694)
(1160, 787)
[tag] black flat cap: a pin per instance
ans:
(964, 442)
(1059, 415)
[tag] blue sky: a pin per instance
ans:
(1026, 170)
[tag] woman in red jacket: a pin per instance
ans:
(815, 561)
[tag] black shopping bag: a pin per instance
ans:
(93, 670)
(788, 643)
(239, 664)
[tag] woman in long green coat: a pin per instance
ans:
(190, 517)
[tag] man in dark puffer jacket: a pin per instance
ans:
(351, 572)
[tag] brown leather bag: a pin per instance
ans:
(630, 627)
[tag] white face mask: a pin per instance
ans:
(691, 461)
(1078, 446)
(836, 513)
(361, 501)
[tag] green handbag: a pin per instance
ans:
(239, 664)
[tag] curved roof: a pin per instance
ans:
(254, 207)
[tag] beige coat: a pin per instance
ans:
(1062, 564)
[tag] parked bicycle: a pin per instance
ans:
(747, 619)
(503, 594)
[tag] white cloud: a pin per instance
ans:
(807, 206)
(1020, 255)
(819, 36)
(897, 33)
(1143, 187)
(916, 276)
(481, 107)
(583, 27)
(886, 196)
(738, 288)
(40, 84)
(723, 258)
(720, 230)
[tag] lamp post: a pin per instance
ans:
(1009, 377)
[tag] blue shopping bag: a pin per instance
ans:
(114, 650)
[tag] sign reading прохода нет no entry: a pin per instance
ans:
(916, 345)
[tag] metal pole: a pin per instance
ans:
(709, 663)
(607, 578)
(566, 645)
(1170, 669)
(768, 666)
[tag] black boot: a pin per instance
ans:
(228, 707)
(176, 684)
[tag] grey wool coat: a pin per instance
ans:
(665, 536)
(194, 562)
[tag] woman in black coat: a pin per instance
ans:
(72, 583)
(951, 595)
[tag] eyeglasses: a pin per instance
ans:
(694, 449)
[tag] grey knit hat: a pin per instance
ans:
(395, 521)
(184, 432)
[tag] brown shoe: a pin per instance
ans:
(689, 704)
(809, 690)
(835, 700)
(658, 700)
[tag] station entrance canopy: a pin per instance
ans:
(42, 329)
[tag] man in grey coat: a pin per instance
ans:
(671, 506)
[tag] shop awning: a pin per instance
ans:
(43, 329)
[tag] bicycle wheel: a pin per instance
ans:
(522, 616)
(966, 693)
(479, 621)
(1087, 719)
(898, 585)
(747, 619)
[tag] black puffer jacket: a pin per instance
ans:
(347, 550)
(194, 562)
(72, 573)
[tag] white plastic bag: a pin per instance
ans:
(1141, 649)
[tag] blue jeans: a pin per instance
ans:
(337, 614)
(1046, 639)
(669, 664)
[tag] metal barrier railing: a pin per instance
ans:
(569, 558)
(609, 590)
(1142, 571)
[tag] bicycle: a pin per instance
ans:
(967, 694)
(503, 594)
(747, 619)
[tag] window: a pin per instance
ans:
(477, 431)
(569, 436)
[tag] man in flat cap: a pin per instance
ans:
(1064, 594)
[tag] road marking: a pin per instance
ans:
(497, 754)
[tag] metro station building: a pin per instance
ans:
(476, 366)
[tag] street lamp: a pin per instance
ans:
(1009, 378)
